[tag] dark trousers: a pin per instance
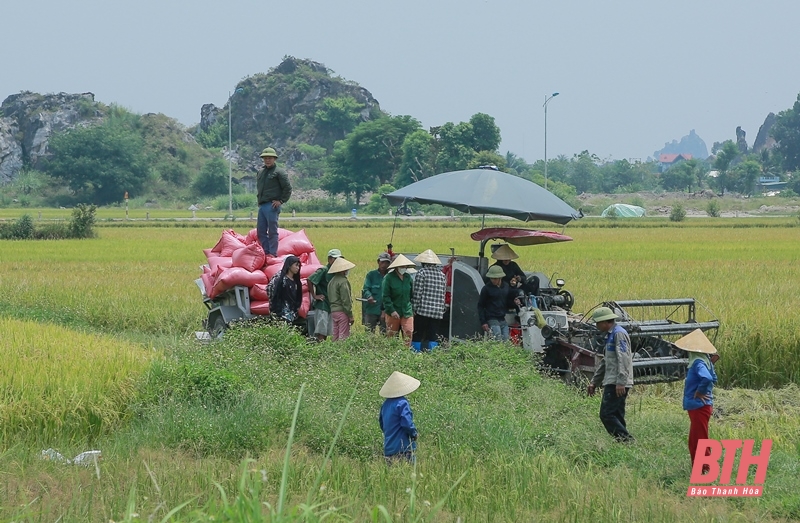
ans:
(426, 329)
(612, 413)
(267, 227)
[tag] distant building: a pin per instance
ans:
(667, 160)
(769, 183)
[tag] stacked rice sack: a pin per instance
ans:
(240, 260)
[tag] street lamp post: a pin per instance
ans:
(230, 151)
(546, 101)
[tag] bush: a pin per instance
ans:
(678, 213)
(239, 201)
(713, 209)
(22, 229)
(330, 204)
(82, 222)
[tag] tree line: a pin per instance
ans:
(126, 152)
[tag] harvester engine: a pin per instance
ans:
(574, 348)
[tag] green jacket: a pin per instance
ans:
(273, 184)
(320, 279)
(340, 295)
(397, 294)
(373, 288)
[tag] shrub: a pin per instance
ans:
(238, 201)
(22, 229)
(678, 213)
(713, 209)
(82, 222)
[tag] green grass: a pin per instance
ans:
(531, 447)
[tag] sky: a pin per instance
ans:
(631, 74)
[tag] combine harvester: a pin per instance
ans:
(570, 344)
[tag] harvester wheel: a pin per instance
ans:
(218, 328)
(569, 299)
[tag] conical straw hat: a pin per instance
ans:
(696, 341)
(427, 256)
(400, 261)
(504, 252)
(398, 385)
(340, 265)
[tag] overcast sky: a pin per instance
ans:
(632, 74)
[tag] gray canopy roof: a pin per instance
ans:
(486, 191)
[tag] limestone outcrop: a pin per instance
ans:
(28, 121)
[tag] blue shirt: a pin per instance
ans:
(699, 379)
(397, 424)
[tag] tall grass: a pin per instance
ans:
(57, 384)
(138, 281)
(528, 448)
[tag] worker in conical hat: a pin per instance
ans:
(396, 419)
(396, 293)
(340, 297)
(701, 376)
(427, 300)
(513, 275)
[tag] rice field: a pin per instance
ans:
(96, 337)
(138, 281)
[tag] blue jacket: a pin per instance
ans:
(700, 379)
(397, 424)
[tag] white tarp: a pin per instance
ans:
(623, 210)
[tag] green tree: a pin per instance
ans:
(369, 156)
(418, 158)
(487, 158)
(726, 155)
(583, 174)
(339, 116)
(786, 132)
(744, 176)
(682, 176)
(485, 133)
(102, 162)
(454, 146)
(311, 165)
(213, 178)
(377, 203)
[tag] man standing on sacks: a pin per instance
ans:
(273, 189)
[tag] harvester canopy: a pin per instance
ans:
(487, 191)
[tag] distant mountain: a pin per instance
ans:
(690, 144)
(298, 102)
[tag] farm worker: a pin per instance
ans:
(373, 307)
(396, 293)
(285, 292)
(700, 380)
(340, 296)
(495, 300)
(396, 419)
(615, 373)
(427, 301)
(274, 190)
(318, 288)
(513, 275)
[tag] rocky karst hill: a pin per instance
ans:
(28, 120)
(297, 102)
